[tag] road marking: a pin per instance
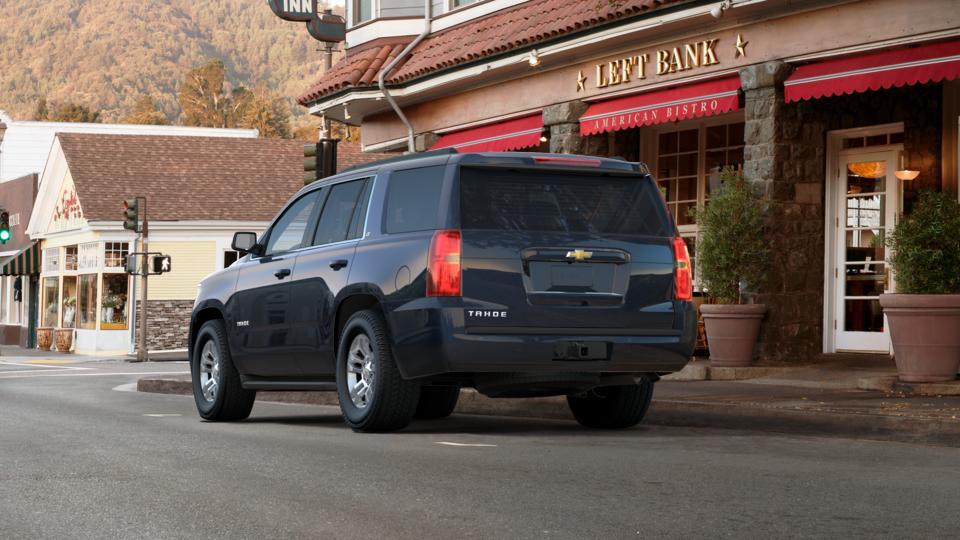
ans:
(29, 374)
(445, 443)
(34, 365)
(162, 415)
(49, 361)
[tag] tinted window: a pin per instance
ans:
(516, 201)
(359, 217)
(288, 232)
(338, 212)
(413, 199)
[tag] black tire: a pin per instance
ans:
(230, 401)
(437, 402)
(612, 407)
(391, 400)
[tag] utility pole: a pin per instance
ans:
(144, 272)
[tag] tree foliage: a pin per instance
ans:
(145, 112)
(202, 97)
(64, 112)
(107, 54)
(926, 246)
(731, 248)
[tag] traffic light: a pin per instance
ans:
(131, 214)
(319, 160)
(4, 227)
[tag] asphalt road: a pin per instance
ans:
(81, 458)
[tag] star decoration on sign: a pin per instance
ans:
(581, 80)
(741, 46)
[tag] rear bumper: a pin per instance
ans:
(430, 339)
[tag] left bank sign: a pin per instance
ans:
(294, 10)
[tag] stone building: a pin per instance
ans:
(823, 104)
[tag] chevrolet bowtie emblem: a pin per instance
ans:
(579, 255)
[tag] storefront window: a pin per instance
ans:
(87, 301)
(51, 260)
(115, 254)
(69, 301)
(70, 258)
(689, 159)
(89, 256)
(113, 315)
(51, 297)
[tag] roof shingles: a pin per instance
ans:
(524, 25)
(190, 178)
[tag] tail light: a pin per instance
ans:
(443, 264)
(683, 276)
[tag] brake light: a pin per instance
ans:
(553, 160)
(443, 264)
(683, 276)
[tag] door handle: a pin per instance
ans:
(282, 273)
(338, 264)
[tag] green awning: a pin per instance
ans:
(26, 262)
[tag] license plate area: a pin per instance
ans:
(581, 350)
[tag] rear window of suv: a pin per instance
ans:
(551, 202)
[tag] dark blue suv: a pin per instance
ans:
(401, 282)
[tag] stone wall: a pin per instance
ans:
(785, 158)
(168, 324)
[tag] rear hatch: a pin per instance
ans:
(565, 252)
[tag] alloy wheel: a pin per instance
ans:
(361, 371)
(209, 371)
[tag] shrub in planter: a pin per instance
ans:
(924, 314)
(731, 251)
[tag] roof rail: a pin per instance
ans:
(404, 157)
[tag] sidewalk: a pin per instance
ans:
(14, 352)
(816, 399)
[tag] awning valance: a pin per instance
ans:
(691, 101)
(873, 71)
(500, 137)
(26, 262)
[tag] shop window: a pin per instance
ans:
(113, 313)
(69, 302)
(89, 256)
(87, 301)
(689, 159)
(51, 298)
(115, 254)
(230, 257)
(70, 258)
(873, 140)
(51, 260)
(4, 297)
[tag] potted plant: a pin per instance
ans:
(731, 254)
(110, 303)
(44, 338)
(64, 339)
(69, 311)
(924, 314)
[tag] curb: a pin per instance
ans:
(677, 413)
(893, 384)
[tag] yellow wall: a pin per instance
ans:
(190, 262)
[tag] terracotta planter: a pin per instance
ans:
(64, 339)
(44, 338)
(925, 331)
(732, 331)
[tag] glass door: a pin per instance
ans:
(868, 199)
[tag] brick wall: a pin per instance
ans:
(168, 324)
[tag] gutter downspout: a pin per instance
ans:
(427, 20)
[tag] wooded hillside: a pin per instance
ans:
(107, 54)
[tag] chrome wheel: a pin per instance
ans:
(361, 371)
(209, 370)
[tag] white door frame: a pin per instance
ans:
(831, 186)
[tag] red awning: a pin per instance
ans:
(507, 135)
(873, 71)
(691, 101)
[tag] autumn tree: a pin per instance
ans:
(64, 112)
(202, 97)
(264, 111)
(145, 112)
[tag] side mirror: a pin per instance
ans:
(245, 242)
